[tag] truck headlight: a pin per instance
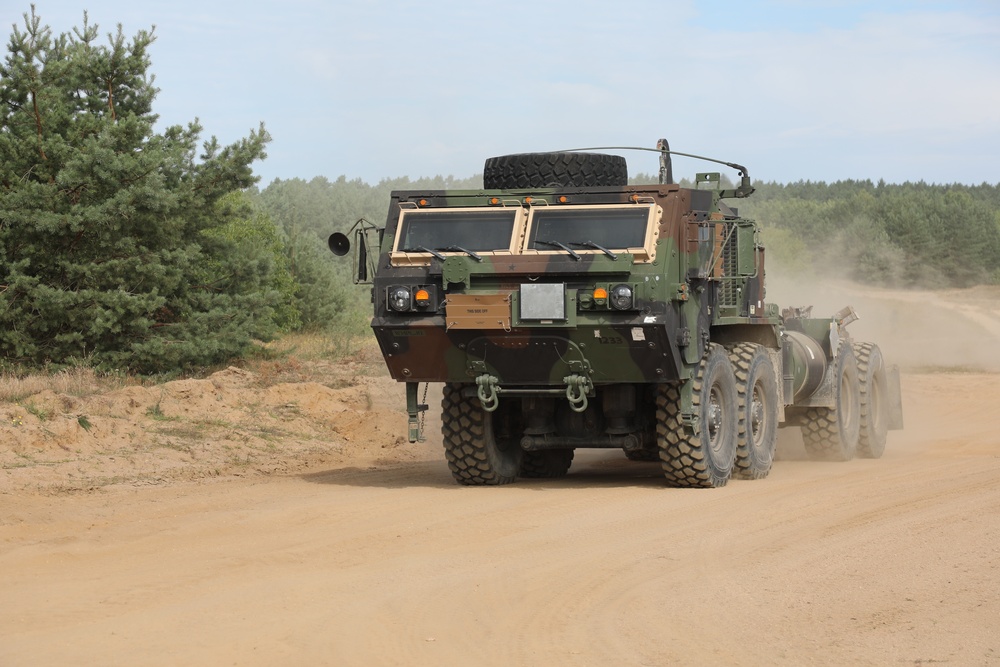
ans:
(399, 299)
(620, 297)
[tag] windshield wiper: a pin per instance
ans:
(421, 248)
(572, 253)
(591, 244)
(458, 248)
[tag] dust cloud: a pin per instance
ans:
(919, 330)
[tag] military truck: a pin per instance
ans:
(564, 308)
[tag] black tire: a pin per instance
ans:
(874, 407)
(542, 170)
(481, 447)
(831, 434)
(704, 460)
(757, 391)
(546, 463)
(642, 455)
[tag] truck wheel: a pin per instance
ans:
(874, 409)
(546, 463)
(541, 170)
(831, 434)
(757, 391)
(481, 447)
(704, 459)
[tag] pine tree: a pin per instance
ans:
(108, 229)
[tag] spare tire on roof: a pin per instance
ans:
(540, 170)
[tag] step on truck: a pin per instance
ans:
(564, 308)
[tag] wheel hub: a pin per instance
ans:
(714, 417)
(755, 417)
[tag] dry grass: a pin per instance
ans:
(292, 358)
(317, 346)
(310, 357)
(78, 382)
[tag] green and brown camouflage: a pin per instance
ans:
(581, 297)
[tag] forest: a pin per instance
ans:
(125, 247)
(895, 235)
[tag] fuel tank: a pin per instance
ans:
(805, 363)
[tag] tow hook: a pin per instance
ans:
(486, 389)
(577, 388)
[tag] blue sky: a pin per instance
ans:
(370, 89)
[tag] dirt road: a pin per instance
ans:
(375, 557)
(895, 561)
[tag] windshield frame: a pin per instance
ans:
(399, 256)
(520, 238)
(642, 254)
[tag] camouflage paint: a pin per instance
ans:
(699, 278)
(677, 297)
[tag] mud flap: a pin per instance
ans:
(895, 398)
(689, 415)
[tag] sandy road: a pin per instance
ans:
(895, 561)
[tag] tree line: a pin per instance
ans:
(915, 235)
(123, 247)
(899, 235)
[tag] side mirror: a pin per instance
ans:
(339, 244)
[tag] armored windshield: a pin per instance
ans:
(591, 227)
(478, 230)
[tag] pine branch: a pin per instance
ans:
(38, 124)
(111, 101)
